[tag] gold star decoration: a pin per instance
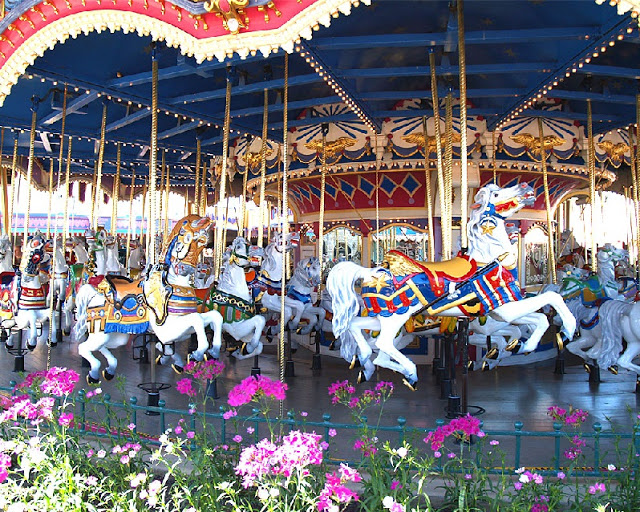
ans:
(378, 282)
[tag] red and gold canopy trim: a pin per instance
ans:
(26, 35)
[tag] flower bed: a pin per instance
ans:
(50, 463)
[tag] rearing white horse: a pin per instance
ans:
(164, 302)
(478, 283)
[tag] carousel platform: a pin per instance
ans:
(506, 395)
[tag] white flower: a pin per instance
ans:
(525, 479)
(274, 492)
(611, 467)
(224, 486)
(16, 507)
(387, 501)
(155, 486)
(520, 470)
(163, 439)
(333, 508)
(263, 494)
(402, 452)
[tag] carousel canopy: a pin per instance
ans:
(362, 70)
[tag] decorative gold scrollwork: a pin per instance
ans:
(231, 12)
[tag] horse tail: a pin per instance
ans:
(344, 300)
(86, 293)
(610, 313)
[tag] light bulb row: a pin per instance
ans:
(572, 69)
(337, 88)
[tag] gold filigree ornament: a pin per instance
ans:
(417, 139)
(157, 294)
(231, 12)
(533, 143)
(614, 152)
(332, 148)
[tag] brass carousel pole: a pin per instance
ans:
(220, 243)
(323, 179)
(196, 193)
(153, 158)
(436, 116)
(61, 162)
(633, 194)
(378, 239)
(448, 173)
(131, 187)
(167, 189)
(99, 167)
(263, 170)
(32, 140)
(285, 224)
(115, 195)
(494, 157)
(4, 184)
(66, 194)
(203, 192)
(14, 186)
(636, 195)
(547, 203)
(464, 182)
(159, 193)
(427, 186)
(243, 199)
(50, 198)
(592, 183)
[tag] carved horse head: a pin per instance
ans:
(33, 254)
(187, 240)
(308, 271)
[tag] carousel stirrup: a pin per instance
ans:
(493, 353)
(514, 346)
(613, 369)
(177, 368)
(560, 342)
(485, 366)
(587, 367)
(91, 381)
(413, 386)
(352, 365)
(361, 377)
(470, 366)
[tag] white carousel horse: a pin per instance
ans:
(164, 302)
(59, 284)
(137, 260)
(608, 257)
(7, 276)
(77, 245)
(481, 282)
(233, 299)
(269, 278)
(204, 278)
(112, 263)
(28, 293)
(304, 280)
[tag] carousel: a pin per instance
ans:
(390, 183)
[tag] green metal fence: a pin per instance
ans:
(542, 450)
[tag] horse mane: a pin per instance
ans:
(610, 313)
(268, 257)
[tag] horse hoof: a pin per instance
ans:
(332, 345)
(298, 330)
(613, 369)
(560, 342)
(244, 351)
(91, 381)
(53, 344)
(485, 366)
(66, 333)
(353, 362)
(361, 377)
(159, 360)
(413, 386)
(514, 346)
(31, 347)
(269, 339)
(587, 367)
(492, 354)
(107, 375)
(177, 368)
(470, 366)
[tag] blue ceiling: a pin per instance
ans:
(379, 54)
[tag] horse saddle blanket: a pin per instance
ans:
(265, 284)
(232, 308)
(125, 309)
(6, 295)
(32, 298)
(455, 283)
(593, 293)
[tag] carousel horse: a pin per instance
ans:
(619, 320)
(137, 260)
(7, 276)
(28, 293)
(233, 299)
(479, 283)
(60, 282)
(164, 303)
(268, 286)
(112, 263)
(204, 277)
(304, 280)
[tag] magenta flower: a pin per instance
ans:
(237, 438)
(191, 434)
(205, 370)
(185, 387)
(517, 486)
(227, 415)
(462, 428)
(65, 419)
(178, 430)
(335, 491)
(539, 507)
(332, 432)
(255, 387)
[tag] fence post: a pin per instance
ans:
(597, 428)
(163, 423)
(557, 427)
(402, 423)
(82, 401)
(518, 425)
(134, 412)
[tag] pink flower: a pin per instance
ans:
(227, 415)
(125, 459)
(561, 475)
(65, 419)
(255, 387)
(493, 442)
(185, 387)
(332, 432)
(237, 438)
(178, 430)
(517, 486)
(395, 485)
(304, 414)
(191, 434)
(205, 370)
(437, 454)
(131, 426)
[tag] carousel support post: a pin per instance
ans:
(441, 369)
(212, 389)
(255, 370)
(59, 326)
(437, 360)
(448, 366)
(560, 362)
(18, 352)
(289, 369)
(316, 363)
(594, 374)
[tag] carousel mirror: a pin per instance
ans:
(536, 258)
(410, 240)
(342, 244)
